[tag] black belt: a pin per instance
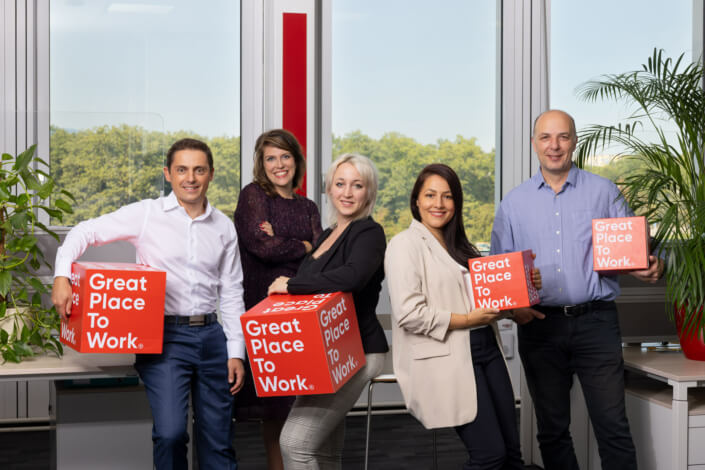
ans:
(192, 320)
(575, 310)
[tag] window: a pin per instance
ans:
(610, 38)
(129, 79)
(414, 83)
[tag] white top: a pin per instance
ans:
(200, 256)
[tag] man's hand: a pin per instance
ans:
(61, 296)
(653, 273)
(524, 315)
(236, 374)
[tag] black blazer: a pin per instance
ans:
(355, 263)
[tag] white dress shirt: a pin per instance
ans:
(200, 256)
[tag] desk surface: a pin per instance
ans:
(668, 364)
(72, 365)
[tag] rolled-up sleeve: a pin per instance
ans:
(125, 223)
(411, 310)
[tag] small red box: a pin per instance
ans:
(503, 281)
(116, 308)
(620, 244)
(302, 344)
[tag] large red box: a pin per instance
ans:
(620, 244)
(503, 281)
(116, 308)
(302, 344)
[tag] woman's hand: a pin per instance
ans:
(266, 227)
(536, 278)
(279, 286)
(477, 317)
(482, 316)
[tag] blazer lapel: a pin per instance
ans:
(442, 255)
(330, 253)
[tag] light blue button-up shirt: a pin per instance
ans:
(558, 228)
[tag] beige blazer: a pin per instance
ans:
(433, 365)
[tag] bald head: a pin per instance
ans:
(554, 141)
(555, 113)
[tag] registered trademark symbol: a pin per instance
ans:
(140, 346)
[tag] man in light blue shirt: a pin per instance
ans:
(575, 329)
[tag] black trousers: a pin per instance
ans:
(492, 440)
(590, 346)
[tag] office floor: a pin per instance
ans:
(398, 442)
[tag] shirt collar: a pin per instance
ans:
(170, 203)
(572, 179)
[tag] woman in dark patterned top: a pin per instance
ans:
(276, 228)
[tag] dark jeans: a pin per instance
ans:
(589, 345)
(492, 440)
(194, 360)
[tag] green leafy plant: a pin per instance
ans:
(668, 186)
(26, 191)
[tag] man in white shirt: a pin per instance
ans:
(196, 245)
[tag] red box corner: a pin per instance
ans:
(116, 308)
(303, 344)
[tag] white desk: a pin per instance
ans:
(681, 374)
(72, 365)
(92, 426)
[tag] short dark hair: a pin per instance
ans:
(457, 243)
(189, 144)
(284, 140)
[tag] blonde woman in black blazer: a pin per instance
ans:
(348, 257)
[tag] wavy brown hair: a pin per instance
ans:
(284, 140)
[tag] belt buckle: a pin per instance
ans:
(197, 320)
(566, 311)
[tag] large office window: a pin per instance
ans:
(414, 83)
(127, 80)
(610, 38)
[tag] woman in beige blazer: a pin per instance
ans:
(447, 355)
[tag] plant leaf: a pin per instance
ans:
(24, 158)
(63, 205)
(5, 282)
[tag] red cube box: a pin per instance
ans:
(302, 344)
(503, 281)
(620, 244)
(116, 308)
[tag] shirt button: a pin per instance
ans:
(558, 250)
(558, 232)
(556, 213)
(559, 269)
(560, 289)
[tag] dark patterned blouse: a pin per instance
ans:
(265, 258)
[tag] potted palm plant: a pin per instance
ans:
(26, 191)
(665, 135)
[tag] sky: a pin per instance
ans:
(425, 69)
